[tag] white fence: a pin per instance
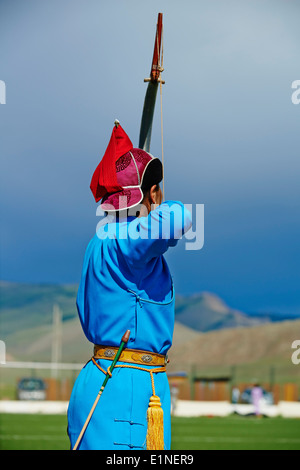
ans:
(223, 408)
(184, 408)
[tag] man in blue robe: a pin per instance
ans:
(126, 285)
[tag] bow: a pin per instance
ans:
(150, 98)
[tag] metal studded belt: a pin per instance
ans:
(133, 356)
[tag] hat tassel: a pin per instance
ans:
(155, 418)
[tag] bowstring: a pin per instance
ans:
(161, 62)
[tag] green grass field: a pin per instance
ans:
(47, 432)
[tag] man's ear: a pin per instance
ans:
(153, 194)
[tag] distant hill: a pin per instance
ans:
(36, 343)
(255, 352)
(31, 305)
(228, 337)
(206, 312)
(26, 319)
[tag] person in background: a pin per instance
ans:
(256, 396)
(235, 395)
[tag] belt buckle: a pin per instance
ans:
(147, 358)
(109, 353)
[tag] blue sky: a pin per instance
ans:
(231, 135)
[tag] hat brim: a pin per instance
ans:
(129, 197)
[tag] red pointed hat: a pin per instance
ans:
(119, 176)
(104, 179)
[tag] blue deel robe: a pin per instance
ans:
(126, 284)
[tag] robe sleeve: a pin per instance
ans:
(151, 236)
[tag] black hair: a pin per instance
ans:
(153, 175)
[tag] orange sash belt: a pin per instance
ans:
(133, 356)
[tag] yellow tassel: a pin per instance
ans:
(155, 417)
